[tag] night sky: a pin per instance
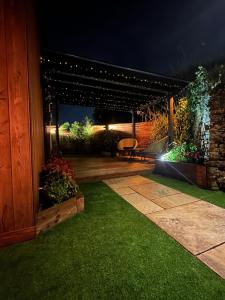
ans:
(158, 36)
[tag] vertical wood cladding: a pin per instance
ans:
(17, 216)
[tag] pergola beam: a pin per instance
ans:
(111, 82)
(101, 88)
(78, 81)
(65, 59)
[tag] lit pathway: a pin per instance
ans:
(197, 225)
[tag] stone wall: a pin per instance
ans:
(216, 163)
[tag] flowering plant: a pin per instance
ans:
(58, 181)
(59, 165)
(194, 156)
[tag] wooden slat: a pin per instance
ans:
(3, 77)
(19, 113)
(17, 236)
(6, 203)
(36, 106)
(58, 213)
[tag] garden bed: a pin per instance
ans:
(56, 214)
(190, 172)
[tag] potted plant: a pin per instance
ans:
(184, 162)
(59, 193)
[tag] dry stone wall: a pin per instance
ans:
(216, 163)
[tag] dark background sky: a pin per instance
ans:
(158, 36)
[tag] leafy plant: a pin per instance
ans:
(58, 181)
(87, 130)
(181, 122)
(176, 153)
(64, 128)
(59, 187)
(75, 130)
(184, 152)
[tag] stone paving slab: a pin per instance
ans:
(153, 190)
(215, 259)
(142, 204)
(198, 226)
(174, 200)
(126, 181)
(124, 191)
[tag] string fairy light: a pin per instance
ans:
(115, 87)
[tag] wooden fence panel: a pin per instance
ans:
(18, 92)
(6, 200)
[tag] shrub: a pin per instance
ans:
(64, 128)
(185, 152)
(59, 187)
(176, 154)
(87, 130)
(75, 130)
(58, 182)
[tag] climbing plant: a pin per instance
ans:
(181, 122)
(198, 95)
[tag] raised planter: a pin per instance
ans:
(192, 173)
(49, 217)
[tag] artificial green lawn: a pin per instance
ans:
(110, 251)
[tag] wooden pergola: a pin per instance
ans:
(70, 79)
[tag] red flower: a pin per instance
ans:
(61, 166)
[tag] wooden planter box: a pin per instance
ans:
(49, 217)
(192, 173)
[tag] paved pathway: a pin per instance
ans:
(197, 225)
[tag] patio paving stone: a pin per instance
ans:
(174, 200)
(124, 191)
(126, 181)
(215, 259)
(198, 226)
(154, 190)
(142, 204)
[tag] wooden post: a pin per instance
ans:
(171, 120)
(133, 123)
